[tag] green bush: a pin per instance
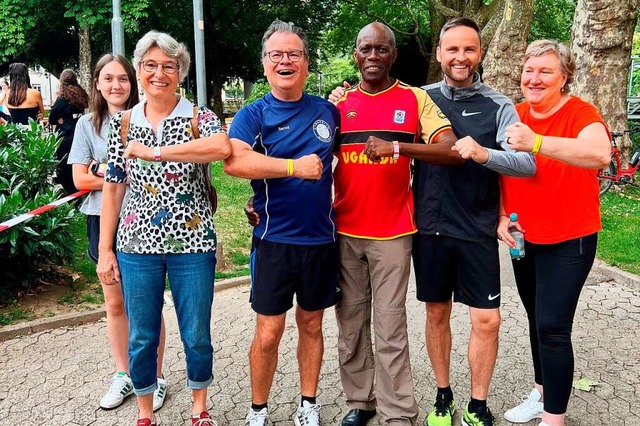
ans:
(27, 162)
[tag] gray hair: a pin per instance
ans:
(279, 26)
(567, 60)
(168, 45)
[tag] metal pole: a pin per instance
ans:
(198, 32)
(117, 30)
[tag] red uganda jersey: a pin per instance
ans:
(374, 200)
(561, 202)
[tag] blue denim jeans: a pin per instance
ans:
(191, 277)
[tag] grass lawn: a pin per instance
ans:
(619, 241)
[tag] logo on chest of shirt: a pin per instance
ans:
(352, 114)
(322, 130)
(399, 116)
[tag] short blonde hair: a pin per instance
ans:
(567, 60)
(168, 45)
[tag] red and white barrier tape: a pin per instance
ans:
(33, 213)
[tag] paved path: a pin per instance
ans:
(57, 377)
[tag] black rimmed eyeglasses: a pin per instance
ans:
(276, 55)
(167, 67)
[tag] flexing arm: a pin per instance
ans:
(244, 162)
(439, 151)
(505, 161)
(590, 150)
(203, 150)
(112, 196)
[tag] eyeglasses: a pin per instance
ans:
(167, 67)
(277, 55)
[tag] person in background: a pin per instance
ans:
(559, 208)
(283, 142)
(24, 103)
(166, 227)
(71, 103)
(113, 89)
(5, 116)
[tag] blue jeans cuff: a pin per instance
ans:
(146, 391)
(199, 385)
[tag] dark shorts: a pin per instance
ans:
(93, 235)
(279, 271)
(470, 270)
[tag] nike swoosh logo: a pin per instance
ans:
(493, 297)
(468, 114)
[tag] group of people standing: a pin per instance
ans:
(424, 173)
(475, 158)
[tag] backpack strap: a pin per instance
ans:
(194, 123)
(124, 127)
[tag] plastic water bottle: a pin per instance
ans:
(516, 252)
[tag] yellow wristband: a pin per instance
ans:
(537, 144)
(289, 167)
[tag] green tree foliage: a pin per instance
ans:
(36, 32)
(409, 19)
(552, 19)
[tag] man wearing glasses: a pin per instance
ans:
(284, 143)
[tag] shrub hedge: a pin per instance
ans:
(27, 162)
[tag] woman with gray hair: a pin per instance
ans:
(166, 226)
(560, 210)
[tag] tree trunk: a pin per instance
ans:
(84, 76)
(503, 59)
(602, 37)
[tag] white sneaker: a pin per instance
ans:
(307, 415)
(530, 408)
(121, 387)
(159, 394)
(257, 418)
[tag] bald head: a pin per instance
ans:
(379, 29)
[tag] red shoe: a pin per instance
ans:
(146, 422)
(204, 419)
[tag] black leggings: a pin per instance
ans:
(549, 279)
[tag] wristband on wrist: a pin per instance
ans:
(537, 144)
(156, 153)
(289, 167)
(396, 150)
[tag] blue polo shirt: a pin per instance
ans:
(292, 210)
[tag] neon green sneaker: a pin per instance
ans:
(442, 412)
(483, 417)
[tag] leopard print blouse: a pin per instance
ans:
(168, 208)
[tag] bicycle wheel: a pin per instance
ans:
(604, 177)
